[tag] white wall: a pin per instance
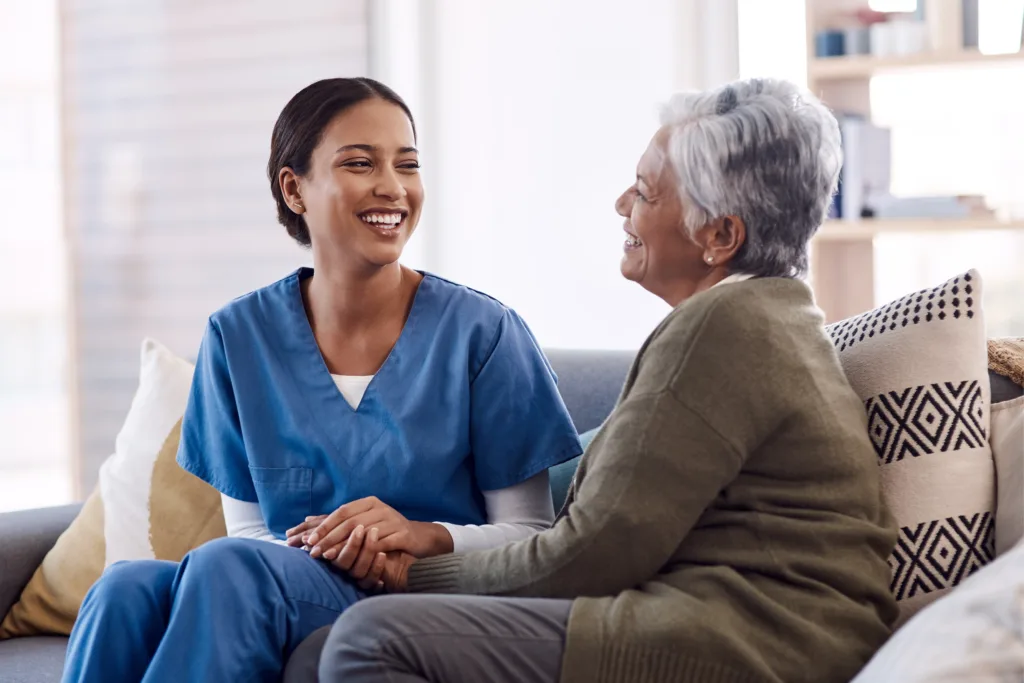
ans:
(168, 109)
(34, 407)
(533, 115)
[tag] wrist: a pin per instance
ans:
(402, 585)
(438, 540)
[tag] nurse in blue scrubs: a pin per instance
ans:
(353, 408)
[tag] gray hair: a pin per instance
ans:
(764, 150)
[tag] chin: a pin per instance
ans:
(629, 270)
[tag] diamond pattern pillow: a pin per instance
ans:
(920, 366)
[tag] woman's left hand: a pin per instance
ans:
(371, 569)
(327, 535)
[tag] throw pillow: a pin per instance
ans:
(1008, 452)
(920, 366)
(145, 506)
(975, 634)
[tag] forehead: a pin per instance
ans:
(371, 122)
(652, 165)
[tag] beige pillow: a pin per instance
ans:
(920, 364)
(1008, 451)
(145, 506)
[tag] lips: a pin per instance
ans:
(386, 222)
(632, 241)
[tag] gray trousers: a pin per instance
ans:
(437, 638)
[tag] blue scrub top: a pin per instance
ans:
(466, 402)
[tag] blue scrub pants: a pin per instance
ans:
(232, 610)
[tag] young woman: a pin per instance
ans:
(366, 404)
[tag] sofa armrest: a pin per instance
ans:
(25, 538)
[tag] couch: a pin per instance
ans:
(588, 380)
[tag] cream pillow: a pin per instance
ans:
(1008, 450)
(920, 364)
(971, 636)
(145, 506)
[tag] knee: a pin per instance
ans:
(358, 635)
(127, 582)
(223, 556)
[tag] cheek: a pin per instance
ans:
(414, 192)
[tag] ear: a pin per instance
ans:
(723, 237)
(289, 183)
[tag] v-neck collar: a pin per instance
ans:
(317, 374)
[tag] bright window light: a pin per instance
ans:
(999, 26)
(893, 5)
(772, 39)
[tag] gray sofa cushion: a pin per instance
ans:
(32, 660)
(25, 538)
(1003, 388)
(590, 382)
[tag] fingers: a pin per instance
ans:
(367, 555)
(392, 542)
(306, 525)
(345, 512)
(350, 552)
(371, 518)
(373, 579)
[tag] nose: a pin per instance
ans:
(389, 185)
(624, 204)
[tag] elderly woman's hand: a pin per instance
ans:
(373, 570)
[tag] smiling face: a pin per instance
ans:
(362, 196)
(659, 254)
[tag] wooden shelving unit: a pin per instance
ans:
(867, 230)
(864, 66)
(842, 253)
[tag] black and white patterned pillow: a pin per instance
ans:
(920, 366)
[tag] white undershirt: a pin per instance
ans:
(513, 513)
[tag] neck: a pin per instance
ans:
(681, 291)
(352, 299)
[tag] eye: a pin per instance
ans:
(639, 194)
(356, 163)
(410, 166)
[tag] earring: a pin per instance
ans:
(711, 259)
(299, 206)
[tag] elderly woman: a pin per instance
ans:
(726, 524)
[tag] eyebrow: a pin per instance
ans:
(373, 148)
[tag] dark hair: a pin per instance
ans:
(301, 125)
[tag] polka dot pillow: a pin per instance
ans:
(920, 366)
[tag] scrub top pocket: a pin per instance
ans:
(290, 490)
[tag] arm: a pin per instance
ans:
(245, 520)
(212, 447)
(513, 513)
(652, 443)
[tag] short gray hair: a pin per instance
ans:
(764, 150)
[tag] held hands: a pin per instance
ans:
(326, 535)
(371, 569)
(371, 541)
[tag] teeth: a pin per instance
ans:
(383, 218)
(632, 240)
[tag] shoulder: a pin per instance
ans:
(248, 308)
(754, 306)
(466, 297)
(470, 309)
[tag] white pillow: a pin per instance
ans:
(126, 477)
(920, 364)
(974, 635)
(1008, 451)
